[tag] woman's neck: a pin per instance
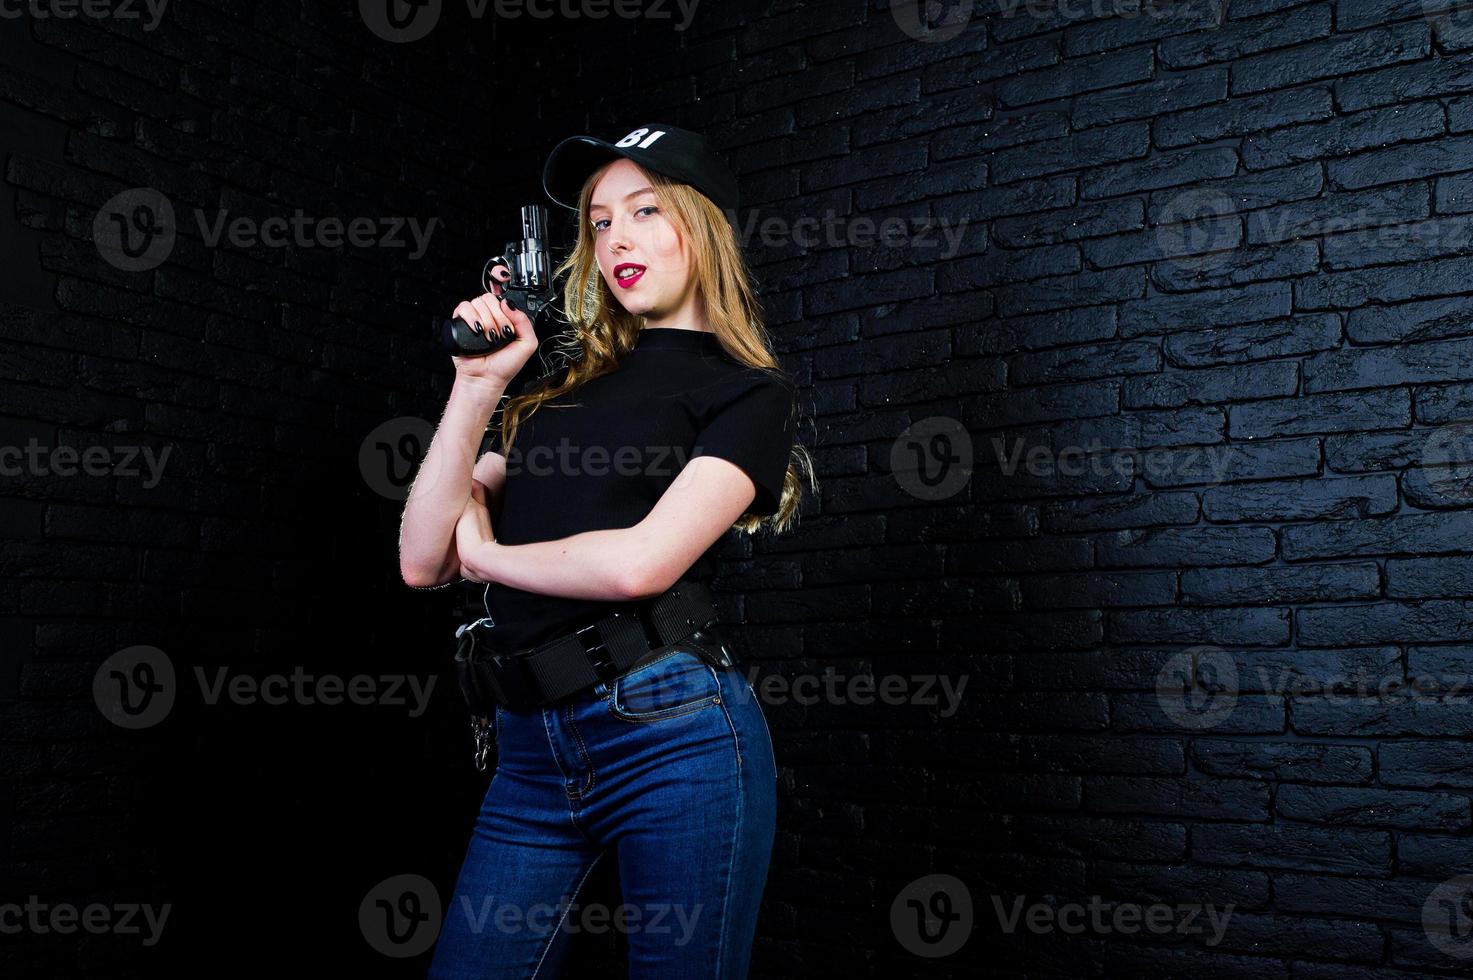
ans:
(690, 315)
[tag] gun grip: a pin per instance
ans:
(462, 340)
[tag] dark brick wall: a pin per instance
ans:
(1185, 287)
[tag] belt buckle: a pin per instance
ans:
(597, 652)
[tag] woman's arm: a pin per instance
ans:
(427, 552)
(620, 563)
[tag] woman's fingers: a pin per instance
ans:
(492, 312)
(489, 312)
(467, 312)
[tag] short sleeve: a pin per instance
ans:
(753, 428)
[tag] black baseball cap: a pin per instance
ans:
(667, 150)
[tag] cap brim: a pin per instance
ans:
(570, 163)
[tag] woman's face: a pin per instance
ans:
(640, 252)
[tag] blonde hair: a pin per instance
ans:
(601, 331)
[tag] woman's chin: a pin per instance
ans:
(637, 305)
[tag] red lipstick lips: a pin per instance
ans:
(624, 281)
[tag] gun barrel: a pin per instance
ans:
(534, 221)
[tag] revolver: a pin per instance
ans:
(529, 288)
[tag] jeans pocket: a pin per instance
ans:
(676, 684)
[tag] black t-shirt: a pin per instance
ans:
(601, 456)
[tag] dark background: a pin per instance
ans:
(1240, 227)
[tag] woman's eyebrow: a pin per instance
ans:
(642, 190)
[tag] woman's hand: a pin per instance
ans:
(496, 318)
(473, 534)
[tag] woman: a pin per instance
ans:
(609, 485)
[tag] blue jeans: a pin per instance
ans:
(671, 768)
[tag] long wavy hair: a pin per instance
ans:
(600, 331)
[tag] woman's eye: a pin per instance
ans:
(602, 223)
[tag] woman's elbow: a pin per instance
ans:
(644, 580)
(420, 576)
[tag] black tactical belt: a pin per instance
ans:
(602, 651)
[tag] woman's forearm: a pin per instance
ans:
(443, 485)
(597, 565)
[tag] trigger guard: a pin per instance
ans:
(486, 280)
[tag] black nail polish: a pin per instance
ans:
(476, 326)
